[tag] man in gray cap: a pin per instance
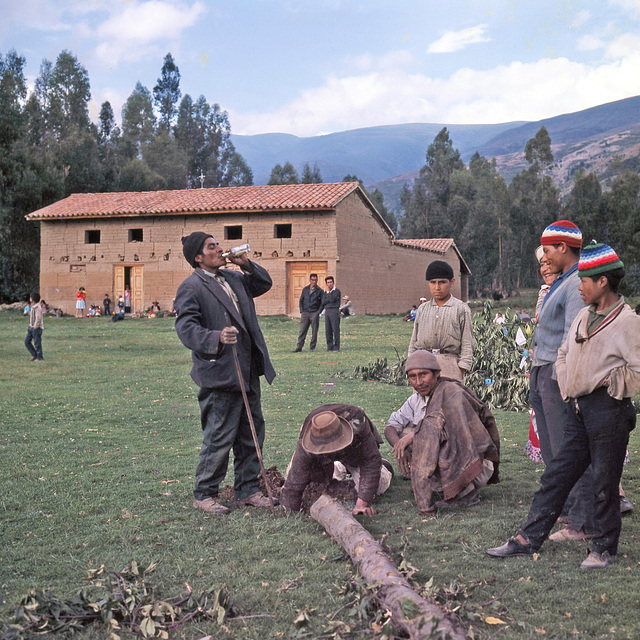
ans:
(443, 324)
(215, 311)
(443, 438)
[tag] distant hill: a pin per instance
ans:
(373, 153)
(387, 157)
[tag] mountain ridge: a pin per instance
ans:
(388, 156)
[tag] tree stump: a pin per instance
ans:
(417, 617)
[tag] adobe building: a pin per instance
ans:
(106, 241)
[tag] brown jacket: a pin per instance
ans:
(363, 453)
(456, 434)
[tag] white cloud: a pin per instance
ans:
(44, 15)
(632, 7)
(623, 46)
(590, 43)
(453, 41)
(517, 91)
(580, 19)
(140, 26)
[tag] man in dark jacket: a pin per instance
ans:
(215, 311)
(331, 306)
(335, 438)
(310, 301)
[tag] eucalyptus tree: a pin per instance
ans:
(167, 92)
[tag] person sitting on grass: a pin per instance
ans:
(443, 438)
(598, 371)
(335, 439)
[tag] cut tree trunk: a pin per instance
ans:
(417, 617)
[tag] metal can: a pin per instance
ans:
(237, 251)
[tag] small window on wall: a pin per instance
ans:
(92, 236)
(135, 235)
(233, 233)
(283, 231)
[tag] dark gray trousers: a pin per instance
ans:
(308, 319)
(225, 426)
(552, 416)
(332, 328)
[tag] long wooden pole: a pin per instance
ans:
(417, 617)
(252, 425)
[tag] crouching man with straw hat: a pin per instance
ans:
(335, 439)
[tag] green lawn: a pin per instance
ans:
(99, 446)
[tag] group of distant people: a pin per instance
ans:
(313, 302)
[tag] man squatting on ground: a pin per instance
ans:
(331, 307)
(598, 369)
(215, 311)
(444, 437)
(310, 303)
(443, 325)
(336, 438)
(33, 340)
(561, 242)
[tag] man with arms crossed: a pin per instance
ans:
(561, 242)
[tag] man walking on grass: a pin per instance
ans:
(215, 312)
(33, 341)
(598, 369)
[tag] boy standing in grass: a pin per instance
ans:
(598, 370)
(33, 341)
(443, 325)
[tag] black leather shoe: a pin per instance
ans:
(511, 549)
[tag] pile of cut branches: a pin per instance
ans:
(121, 600)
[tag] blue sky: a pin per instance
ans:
(308, 67)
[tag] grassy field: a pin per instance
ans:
(98, 449)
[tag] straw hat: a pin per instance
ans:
(327, 433)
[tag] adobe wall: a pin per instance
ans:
(378, 276)
(67, 262)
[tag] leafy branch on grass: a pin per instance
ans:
(121, 600)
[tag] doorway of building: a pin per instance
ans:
(124, 276)
(298, 277)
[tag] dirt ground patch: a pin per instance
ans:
(343, 491)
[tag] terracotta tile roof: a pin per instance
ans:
(435, 245)
(290, 197)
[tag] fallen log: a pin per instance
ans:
(417, 617)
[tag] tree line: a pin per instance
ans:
(497, 227)
(49, 149)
